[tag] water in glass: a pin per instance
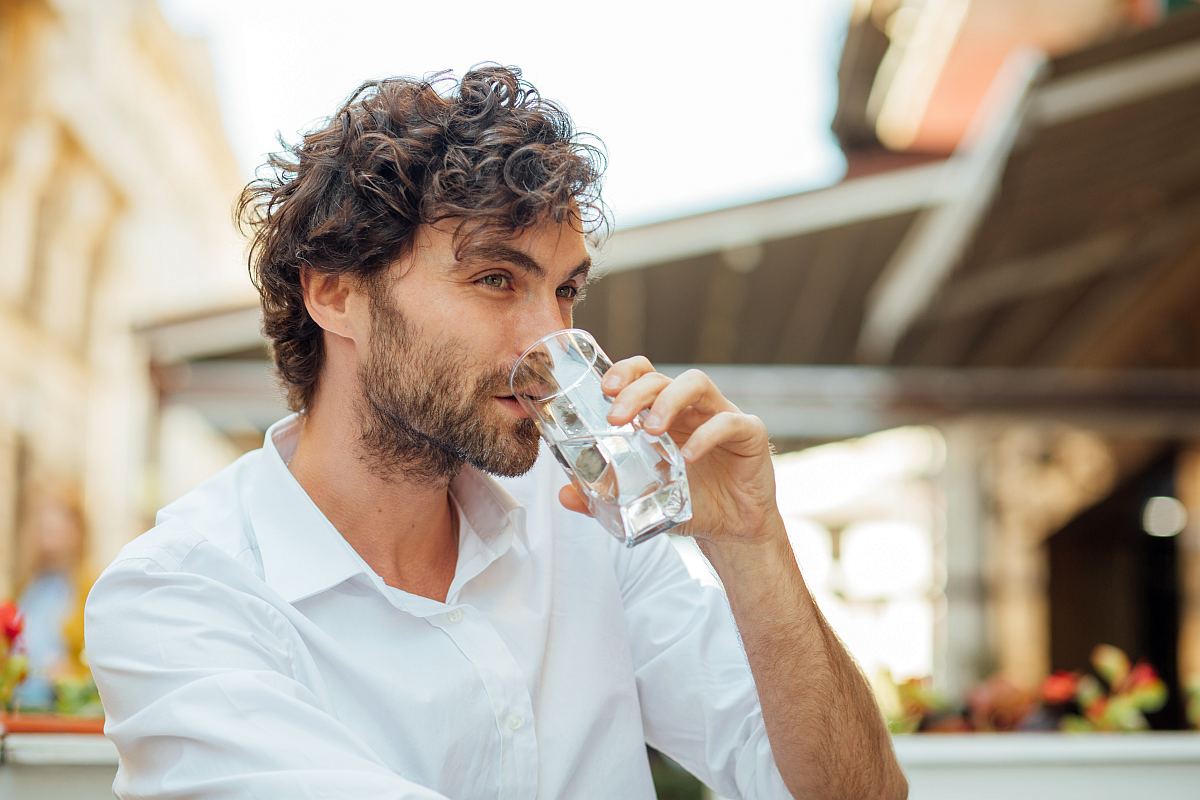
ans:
(635, 483)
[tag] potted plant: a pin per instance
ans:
(76, 707)
(13, 664)
(1114, 699)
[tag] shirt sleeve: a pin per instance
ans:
(200, 699)
(698, 699)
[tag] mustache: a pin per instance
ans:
(496, 384)
(504, 388)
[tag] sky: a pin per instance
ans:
(696, 109)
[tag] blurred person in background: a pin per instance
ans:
(51, 590)
(361, 610)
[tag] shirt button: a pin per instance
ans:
(455, 616)
(515, 721)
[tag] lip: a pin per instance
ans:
(513, 407)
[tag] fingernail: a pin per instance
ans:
(611, 382)
(652, 421)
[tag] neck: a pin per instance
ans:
(404, 528)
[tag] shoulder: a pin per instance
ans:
(213, 515)
(203, 539)
(196, 571)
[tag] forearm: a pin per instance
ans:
(825, 729)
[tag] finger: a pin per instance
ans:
(742, 434)
(693, 389)
(636, 397)
(572, 500)
(625, 372)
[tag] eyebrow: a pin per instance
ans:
(500, 252)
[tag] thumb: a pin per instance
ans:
(572, 500)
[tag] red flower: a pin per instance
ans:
(1141, 675)
(11, 621)
(1060, 687)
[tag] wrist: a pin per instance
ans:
(742, 554)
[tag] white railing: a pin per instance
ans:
(1161, 766)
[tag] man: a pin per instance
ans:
(357, 610)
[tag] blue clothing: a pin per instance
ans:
(45, 604)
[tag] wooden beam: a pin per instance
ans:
(838, 402)
(1124, 81)
(821, 402)
(937, 241)
(856, 200)
(1143, 241)
(1113, 328)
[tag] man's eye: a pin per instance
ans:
(568, 292)
(496, 281)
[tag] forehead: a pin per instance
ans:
(543, 250)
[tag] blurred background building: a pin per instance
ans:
(115, 187)
(1013, 260)
(978, 352)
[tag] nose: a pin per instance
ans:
(537, 319)
(540, 319)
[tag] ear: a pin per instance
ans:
(329, 299)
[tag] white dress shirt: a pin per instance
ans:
(243, 649)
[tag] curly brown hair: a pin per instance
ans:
(489, 153)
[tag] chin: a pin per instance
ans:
(511, 471)
(512, 459)
(509, 468)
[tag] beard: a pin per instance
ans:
(423, 413)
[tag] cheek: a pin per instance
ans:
(475, 367)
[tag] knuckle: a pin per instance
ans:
(640, 363)
(754, 425)
(631, 369)
(652, 380)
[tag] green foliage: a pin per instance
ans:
(14, 666)
(1193, 701)
(1111, 663)
(671, 781)
(77, 696)
(13, 669)
(1117, 697)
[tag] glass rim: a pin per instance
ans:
(542, 340)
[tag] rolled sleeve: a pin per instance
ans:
(698, 699)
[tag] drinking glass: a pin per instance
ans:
(634, 482)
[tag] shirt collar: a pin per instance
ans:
(304, 554)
